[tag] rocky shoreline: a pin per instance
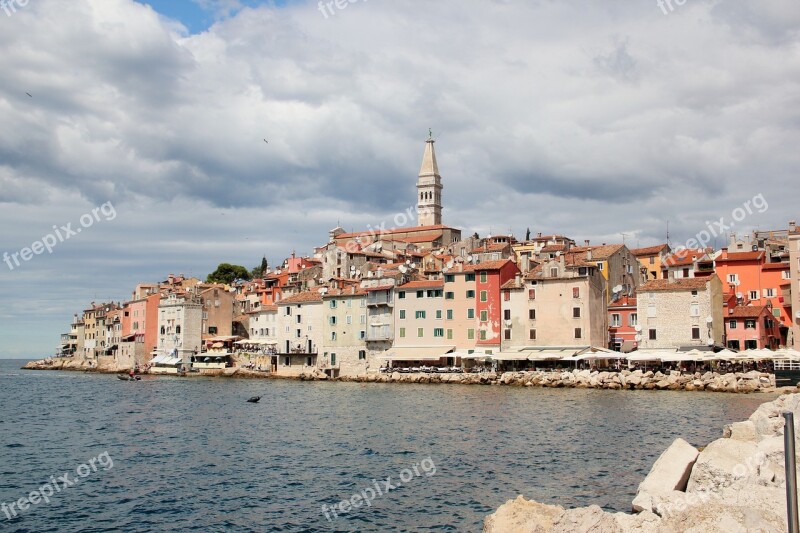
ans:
(579, 379)
(735, 484)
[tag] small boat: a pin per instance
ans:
(124, 377)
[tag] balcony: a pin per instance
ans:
(379, 334)
(375, 298)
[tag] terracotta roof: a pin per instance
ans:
(775, 266)
(599, 253)
(554, 248)
(496, 247)
(650, 250)
(413, 229)
(422, 284)
(746, 311)
(303, 297)
(512, 284)
(623, 302)
(684, 284)
(342, 293)
(683, 258)
(741, 256)
(486, 265)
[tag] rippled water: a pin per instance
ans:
(192, 455)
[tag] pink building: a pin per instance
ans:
(752, 327)
(623, 320)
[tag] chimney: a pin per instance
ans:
(539, 235)
(589, 254)
(518, 279)
(792, 226)
(524, 263)
(586, 242)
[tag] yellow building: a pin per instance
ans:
(651, 259)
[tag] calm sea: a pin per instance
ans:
(192, 455)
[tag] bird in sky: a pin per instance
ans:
(266, 141)
(29, 94)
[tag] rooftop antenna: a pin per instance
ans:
(668, 234)
(623, 237)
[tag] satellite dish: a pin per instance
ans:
(352, 268)
(450, 264)
(469, 258)
(739, 295)
(558, 254)
(710, 342)
(408, 261)
(323, 290)
(638, 337)
(616, 289)
(402, 269)
(445, 270)
(638, 327)
(709, 319)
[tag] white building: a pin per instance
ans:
(180, 322)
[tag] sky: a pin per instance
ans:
(142, 124)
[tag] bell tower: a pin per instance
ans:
(429, 188)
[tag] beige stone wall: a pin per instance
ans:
(310, 326)
(431, 307)
(460, 324)
(673, 320)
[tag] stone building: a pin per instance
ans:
(180, 322)
(679, 313)
(344, 337)
(299, 334)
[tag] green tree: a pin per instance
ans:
(226, 273)
(259, 271)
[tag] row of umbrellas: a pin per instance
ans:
(786, 354)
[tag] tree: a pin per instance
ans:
(260, 270)
(226, 273)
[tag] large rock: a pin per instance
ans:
(722, 463)
(523, 516)
(669, 473)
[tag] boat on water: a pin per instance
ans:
(125, 377)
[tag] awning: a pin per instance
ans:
(509, 356)
(217, 345)
(627, 346)
(418, 353)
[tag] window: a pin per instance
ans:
(450, 334)
(420, 294)
(578, 333)
(471, 334)
(470, 277)
(507, 334)
(333, 359)
(616, 320)
(402, 332)
(287, 361)
(333, 304)
(754, 295)
(769, 293)
(531, 294)
(532, 334)
(449, 314)
(600, 266)
(483, 277)
(749, 324)
(554, 272)
(299, 319)
(308, 361)
(420, 314)
(449, 278)
(420, 332)
(362, 334)
(653, 260)
(362, 354)
(694, 310)
(438, 332)
(362, 319)
(652, 333)
(470, 294)
(402, 314)
(484, 316)
(348, 318)
(694, 293)
(177, 329)
(333, 335)
(212, 330)
(733, 345)
(484, 296)
(531, 314)
(438, 314)
(401, 295)
(449, 295)
(732, 324)
(733, 278)
(651, 311)
(633, 319)
(506, 296)
(506, 314)
(483, 334)
(750, 345)
(696, 334)
(576, 312)
(576, 292)
(332, 321)
(470, 313)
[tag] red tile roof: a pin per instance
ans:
(303, 297)
(422, 284)
(685, 284)
(345, 292)
(775, 266)
(748, 311)
(650, 250)
(486, 265)
(741, 256)
(413, 229)
(599, 253)
(554, 248)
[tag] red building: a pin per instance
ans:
(751, 327)
(623, 321)
(489, 277)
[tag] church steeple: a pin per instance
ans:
(429, 188)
